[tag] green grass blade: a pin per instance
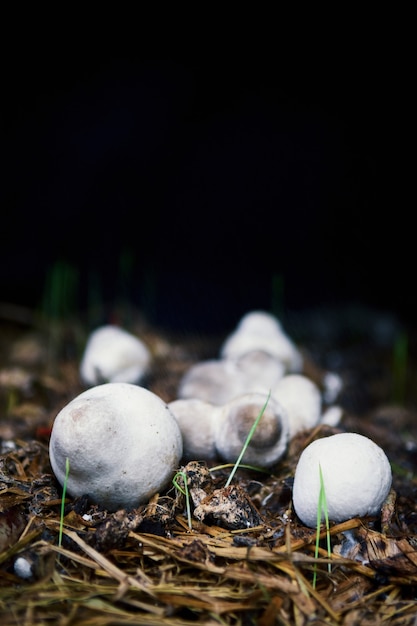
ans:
(185, 492)
(322, 507)
(326, 517)
(247, 441)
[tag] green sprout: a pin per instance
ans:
(59, 297)
(64, 491)
(58, 304)
(247, 441)
(322, 507)
(185, 492)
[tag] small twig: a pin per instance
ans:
(64, 492)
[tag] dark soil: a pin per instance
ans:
(252, 565)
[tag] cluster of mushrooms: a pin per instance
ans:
(123, 443)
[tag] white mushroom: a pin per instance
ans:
(356, 477)
(122, 443)
(333, 385)
(269, 441)
(261, 369)
(259, 330)
(219, 380)
(332, 415)
(197, 421)
(23, 567)
(215, 381)
(211, 431)
(114, 355)
(301, 398)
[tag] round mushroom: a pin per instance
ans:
(215, 381)
(122, 442)
(301, 398)
(211, 431)
(114, 355)
(219, 380)
(197, 421)
(235, 421)
(261, 370)
(259, 330)
(356, 476)
(24, 567)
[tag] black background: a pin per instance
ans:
(223, 184)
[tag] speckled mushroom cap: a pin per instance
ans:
(356, 478)
(123, 445)
(114, 355)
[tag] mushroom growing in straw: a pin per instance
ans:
(122, 443)
(355, 474)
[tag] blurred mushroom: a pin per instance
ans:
(197, 421)
(259, 330)
(219, 380)
(301, 398)
(215, 381)
(114, 355)
(261, 369)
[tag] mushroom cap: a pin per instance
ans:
(233, 425)
(332, 415)
(259, 330)
(259, 323)
(301, 398)
(215, 381)
(261, 369)
(218, 381)
(122, 442)
(113, 355)
(356, 475)
(196, 419)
